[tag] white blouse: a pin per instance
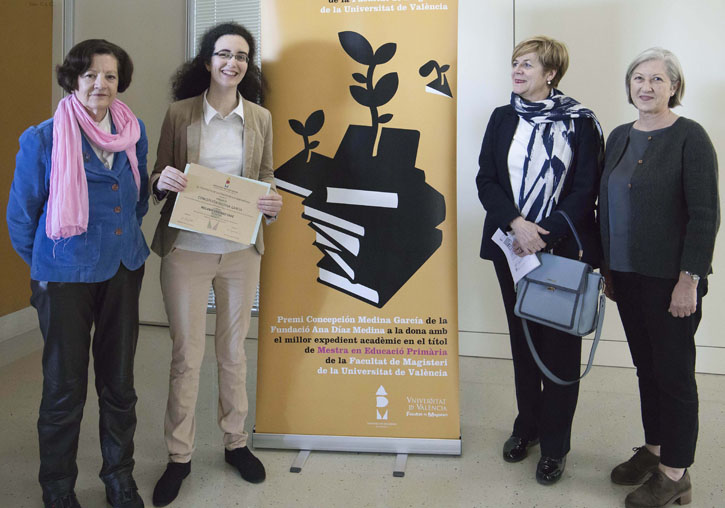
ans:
(518, 152)
(221, 148)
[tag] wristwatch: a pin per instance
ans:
(693, 276)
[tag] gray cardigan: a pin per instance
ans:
(674, 199)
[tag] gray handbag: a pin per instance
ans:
(565, 294)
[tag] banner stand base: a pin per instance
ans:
(400, 446)
(400, 461)
(396, 445)
(300, 460)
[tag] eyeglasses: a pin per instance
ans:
(226, 55)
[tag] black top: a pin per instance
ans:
(577, 199)
(674, 203)
(619, 185)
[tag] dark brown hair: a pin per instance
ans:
(80, 57)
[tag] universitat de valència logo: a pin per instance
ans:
(381, 403)
(382, 406)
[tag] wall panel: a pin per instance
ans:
(25, 100)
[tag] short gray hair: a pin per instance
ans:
(672, 65)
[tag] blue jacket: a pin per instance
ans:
(114, 217)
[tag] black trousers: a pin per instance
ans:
(66, 312)
(663, 350)
(546, 410)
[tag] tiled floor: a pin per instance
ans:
(605, 429)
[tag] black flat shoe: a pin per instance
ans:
(515, 449)
(549, 471)
(167, 488)
(249, 466)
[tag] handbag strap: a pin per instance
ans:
(573, 230)
(545, 370)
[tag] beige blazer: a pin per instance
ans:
(179, 144)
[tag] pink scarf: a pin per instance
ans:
(67, 212)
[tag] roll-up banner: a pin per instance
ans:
(358, 343)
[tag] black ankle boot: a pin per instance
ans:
(248, 465)
(167, 488)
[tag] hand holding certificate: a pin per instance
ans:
(219, 204)
(519, 266)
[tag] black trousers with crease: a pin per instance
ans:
(545, 409)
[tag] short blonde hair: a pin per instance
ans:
(552, 54)
(672, 66)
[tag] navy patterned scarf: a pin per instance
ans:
(549, 152)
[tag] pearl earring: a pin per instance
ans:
(548, 82)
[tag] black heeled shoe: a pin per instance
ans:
(549, 470)
(515, 449)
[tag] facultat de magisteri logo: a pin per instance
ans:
(374, 216)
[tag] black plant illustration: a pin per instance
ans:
(374, 216)
(373, 95)
(432, 65)
(440, 83)
(312, 126)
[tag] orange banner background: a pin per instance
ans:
(303, 385)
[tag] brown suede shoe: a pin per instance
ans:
(659, 491)
(637, 469)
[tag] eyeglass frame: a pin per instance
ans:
(228, 55)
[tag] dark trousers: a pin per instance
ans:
(546, 410)
(663, 350)
(66, 312)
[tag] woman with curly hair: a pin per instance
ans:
(216, 123)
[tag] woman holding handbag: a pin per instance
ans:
(659, 215)
(540, 153)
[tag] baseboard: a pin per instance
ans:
(610, 353)
(18, 322)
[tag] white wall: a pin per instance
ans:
(603, 36)
(153, 33)
(485, 40)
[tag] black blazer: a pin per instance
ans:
(578, 196)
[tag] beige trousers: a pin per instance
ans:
(185, 280)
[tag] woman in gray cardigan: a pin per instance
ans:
(659, 215)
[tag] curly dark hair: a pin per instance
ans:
(192, 78)
(80, 57)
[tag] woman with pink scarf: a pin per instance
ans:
(74, 215)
